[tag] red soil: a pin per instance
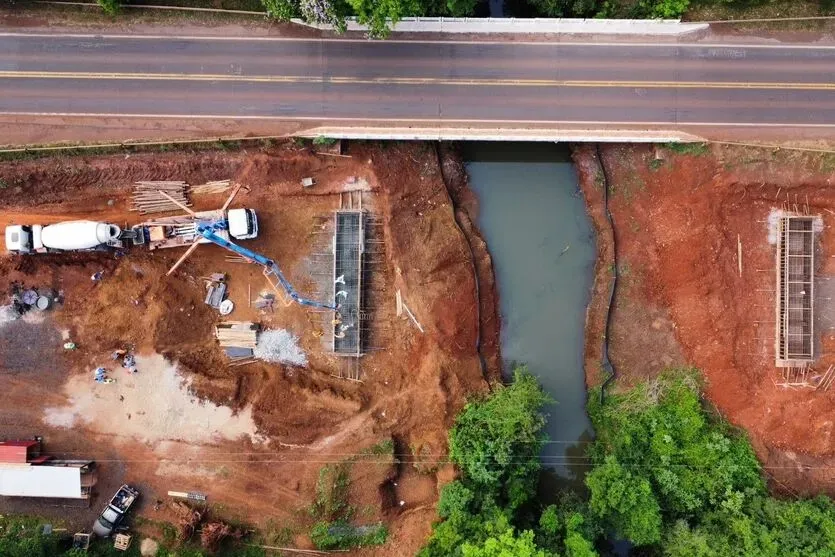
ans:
(412, 387)
(682, 300)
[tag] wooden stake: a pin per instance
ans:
(412, 316)
(177, 203)
(180, 261)
(739, 253)
(231, 197)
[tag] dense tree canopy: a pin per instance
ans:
(667, 475)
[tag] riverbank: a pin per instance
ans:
(681, 217)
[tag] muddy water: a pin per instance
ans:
(542, 244)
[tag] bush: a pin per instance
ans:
(110, 7)
(342, 535)
(332, 487)
(496, 442)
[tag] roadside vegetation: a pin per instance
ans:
(379, 15)
(667, 475)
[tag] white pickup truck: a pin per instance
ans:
(115, 511)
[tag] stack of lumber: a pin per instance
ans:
(218, 186)
(148, 199)
(241, 334)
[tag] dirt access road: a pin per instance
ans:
(252, 437)
(682, 300)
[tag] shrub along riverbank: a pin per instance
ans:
(667, 475)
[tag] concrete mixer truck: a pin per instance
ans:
(77, 235)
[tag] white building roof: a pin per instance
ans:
(62, 482)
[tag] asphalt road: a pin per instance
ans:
(445, 83)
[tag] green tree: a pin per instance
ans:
(382, 15)
(110, 7)
(461, 8)
(496, 442)
(566, 8)
(507, 544)
(661, 433)
(662, 9)
(625, 502)
(568, 527)
(282, 10)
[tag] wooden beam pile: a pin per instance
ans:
(240, 334)
(218, 186)
(147, 198)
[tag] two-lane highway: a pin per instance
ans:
(670, 86)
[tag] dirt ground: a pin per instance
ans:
(253, 437)
(682, 300)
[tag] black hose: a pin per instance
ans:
(606, 363)
(481, 360)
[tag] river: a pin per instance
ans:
(534, 220)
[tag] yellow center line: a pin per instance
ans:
(416, 80)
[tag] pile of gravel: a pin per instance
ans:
(280, 346)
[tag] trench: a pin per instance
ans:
(533, 218)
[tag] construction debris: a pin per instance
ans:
(265, 302)
(188, 521)
(827, 379)
(226, 307)
(240, 334)
(159, 197)
(190, 495)
(217, 186)
(280, 346)
(402, 307)
(81, 541)
(122, 542)
(215, 532)
(215, 291)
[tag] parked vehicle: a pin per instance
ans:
(161, 232)
(115, 511)
(77, 235)
(182, 230)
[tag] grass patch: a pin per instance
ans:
(631, 180)
(274, 534)
(655, 164)
(169, 533)
(332, 487)
(827, 163)
(80, 150)
(384, 447)
(342, 535)
(599, 179)
(333, 511)
(695, 149)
